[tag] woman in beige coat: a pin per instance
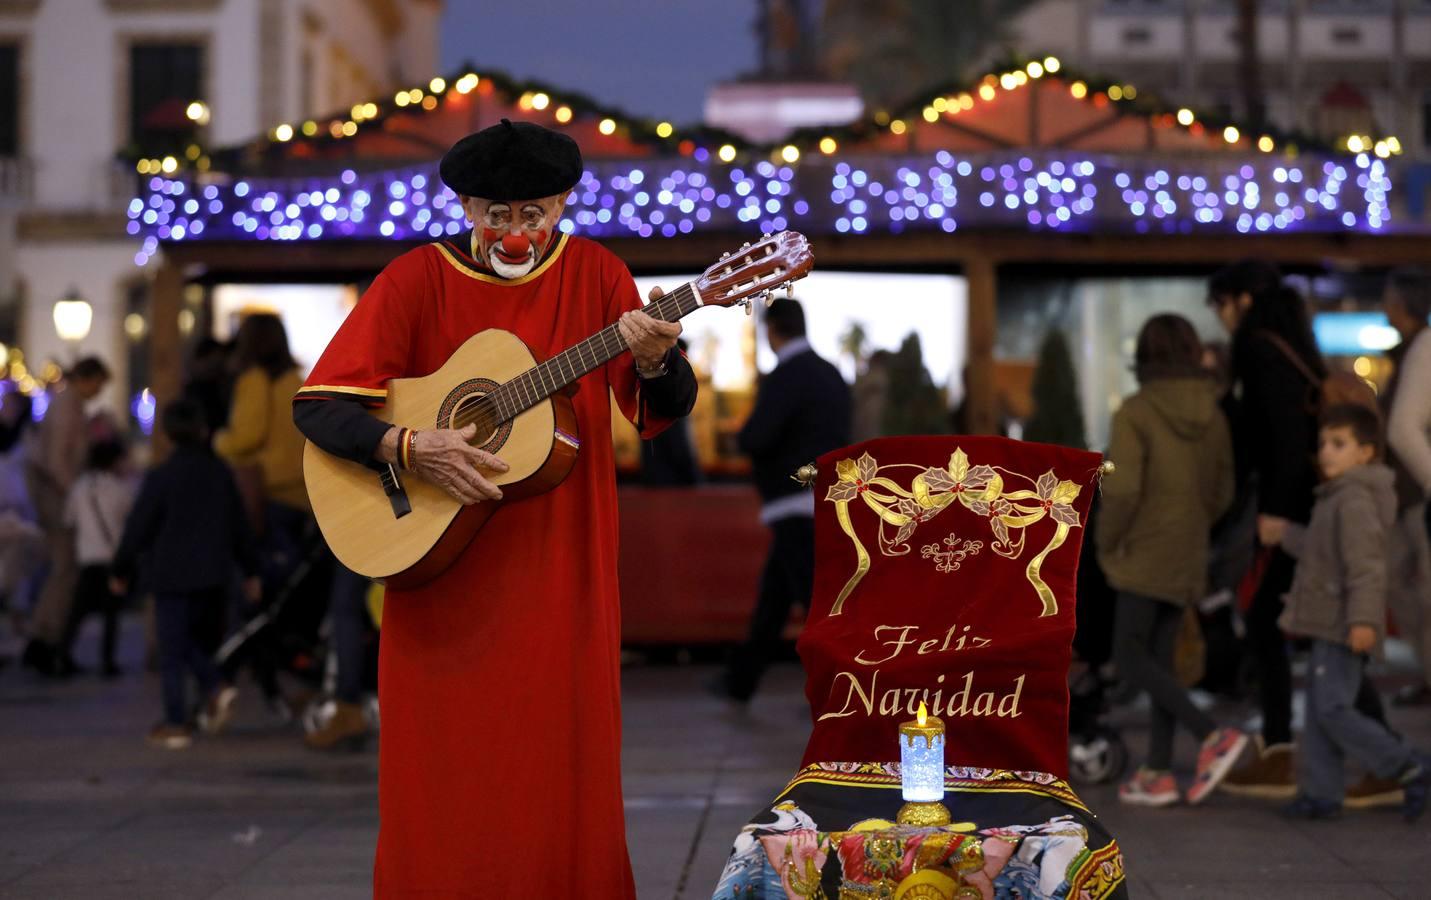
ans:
(1174, 478)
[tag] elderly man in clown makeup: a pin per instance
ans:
(500, 680)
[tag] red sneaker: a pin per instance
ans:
(1219, 751)
(1149, 788)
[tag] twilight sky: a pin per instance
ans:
(650, 57)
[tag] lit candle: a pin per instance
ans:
(921, 757)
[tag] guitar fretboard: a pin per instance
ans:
(544, 379)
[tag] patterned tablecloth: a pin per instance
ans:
(1014, 836)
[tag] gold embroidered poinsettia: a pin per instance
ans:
(980, 489)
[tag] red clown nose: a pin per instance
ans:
(516, 246)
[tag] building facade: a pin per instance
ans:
(1331, 68)
(88, 87)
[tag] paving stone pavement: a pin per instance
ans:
(87, 810)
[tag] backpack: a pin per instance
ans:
(1338, 388)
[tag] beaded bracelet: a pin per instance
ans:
(404, 449)
(411, 447)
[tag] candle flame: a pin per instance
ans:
(923, 714)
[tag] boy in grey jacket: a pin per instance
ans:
(1338, 599)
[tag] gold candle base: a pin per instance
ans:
(923, 814)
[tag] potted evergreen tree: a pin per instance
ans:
(1057, 414)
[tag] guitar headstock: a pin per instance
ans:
(755, 270)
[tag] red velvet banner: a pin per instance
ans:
(945, 573)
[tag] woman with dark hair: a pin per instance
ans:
(260, 428)
(1174, 479)
(1274, 355)
(266, 451)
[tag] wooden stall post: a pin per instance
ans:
(981, 406)
(166, 364)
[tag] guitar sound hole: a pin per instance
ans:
(464, 406)
(468, 413)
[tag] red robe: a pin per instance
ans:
(500, 763)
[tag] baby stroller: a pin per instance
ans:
(1096, 752)
(282, 633)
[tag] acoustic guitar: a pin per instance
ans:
(395, 527)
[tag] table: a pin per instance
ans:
(830, 834)
(690, 563)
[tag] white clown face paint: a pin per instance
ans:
(511, 238)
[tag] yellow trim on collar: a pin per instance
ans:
(495, 279)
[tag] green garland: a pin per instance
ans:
(806, 140)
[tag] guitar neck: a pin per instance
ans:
(547, 378)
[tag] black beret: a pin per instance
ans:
(512, 161)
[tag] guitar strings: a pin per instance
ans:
(513, 397)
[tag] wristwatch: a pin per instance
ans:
(648, 374)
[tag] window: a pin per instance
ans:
(9, 100)
(1346, 36)
(1137, 37)
(164, 79)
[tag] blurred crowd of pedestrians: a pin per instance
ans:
(1252, 513)
(216, 544)
(1264, 501)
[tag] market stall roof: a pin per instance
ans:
(1028, 104)
(1028, 148)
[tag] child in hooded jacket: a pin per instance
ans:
(1338, 599)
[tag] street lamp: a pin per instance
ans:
(73, 316)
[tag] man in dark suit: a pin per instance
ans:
(802, 410)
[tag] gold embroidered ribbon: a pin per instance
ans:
(979, 489)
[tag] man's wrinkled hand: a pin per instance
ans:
(447, 458)
(649, 339)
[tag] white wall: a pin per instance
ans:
(77, 67)
(1375, 43)
(388, 60)
(419, 44)
(98, 270)
(1214, 38)
(79, 88)
(1165, 38)
(1054, 26)
(76, 58)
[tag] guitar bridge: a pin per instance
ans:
(396, 493)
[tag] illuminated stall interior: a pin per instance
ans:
(977, 217)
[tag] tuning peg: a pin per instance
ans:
(768, 301)
(725, 255)
(748, 309)
(789, 290)
(766, 236)
(745, 246)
